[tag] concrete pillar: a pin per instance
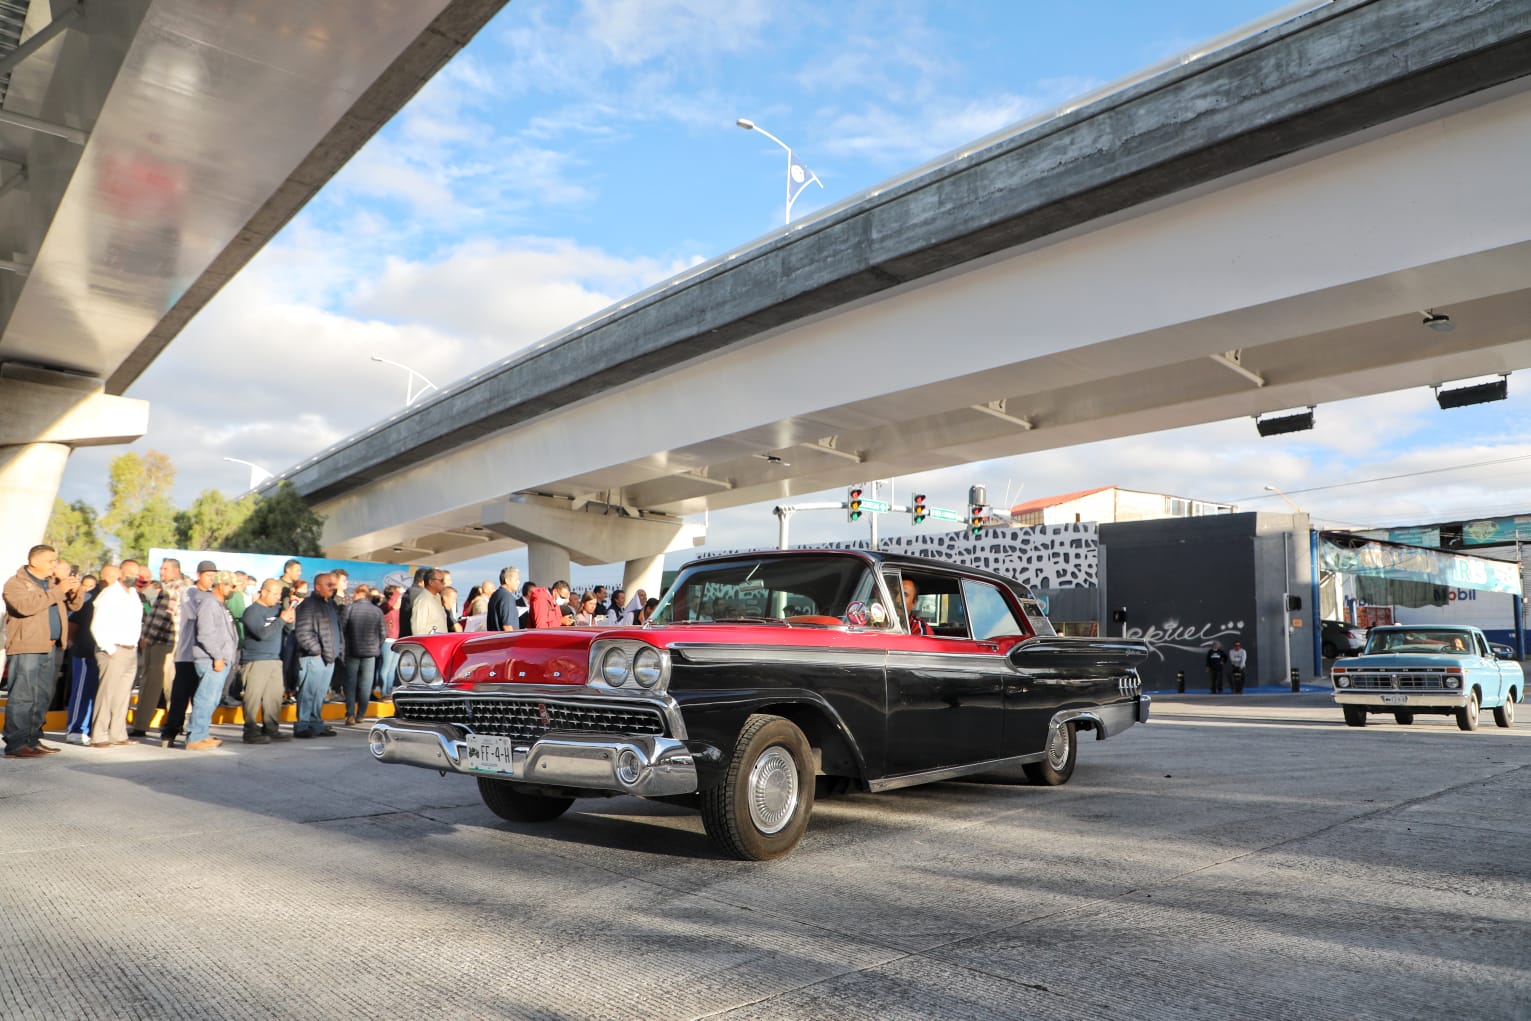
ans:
(546, 563)
(30, 474)
(645, 573)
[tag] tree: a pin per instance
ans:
(280, 522)
(140, 513)
(72, 531)
(212, 520)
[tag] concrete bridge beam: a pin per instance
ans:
(556, 534)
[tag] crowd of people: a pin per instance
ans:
(191, 643)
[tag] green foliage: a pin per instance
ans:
(72, 531)
(139, 512)
(279, 523)
(212, 520)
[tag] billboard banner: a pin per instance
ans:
(1403, 563)
(261, 566)
(1496, 530)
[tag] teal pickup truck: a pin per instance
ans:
(1439, 669)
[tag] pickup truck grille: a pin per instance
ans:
(527, 719)
(1400, 680)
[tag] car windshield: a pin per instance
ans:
(1423, 641)
(824, 591)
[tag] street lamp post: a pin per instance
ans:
(410, 394)
(257, 473)
(798, 174)
(1290, 502)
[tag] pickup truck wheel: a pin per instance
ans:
(1355, 716)
(512, 804)
(1062, 751)
(761, 808)
(1403, 716)
(1504, 716)
(1467, 716)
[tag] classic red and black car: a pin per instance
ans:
(761, 678)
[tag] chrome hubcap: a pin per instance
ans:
(773, 790)
(1472, 708)
(1058, 748)
(1509, 711)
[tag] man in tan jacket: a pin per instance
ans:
(36, 606)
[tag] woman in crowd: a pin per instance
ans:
(585, 615)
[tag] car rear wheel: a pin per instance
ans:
(508, 801)
(1355, 716)
(1504, 716)
(760, 810)
(1062, 751)
(1467, 716)
(1403, 716)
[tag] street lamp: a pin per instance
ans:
(798, 175)
(1288, 499)
(410, 395)
(257, 473)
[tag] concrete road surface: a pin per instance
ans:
(1232, 859)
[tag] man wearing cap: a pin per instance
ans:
(186, 679)
(213, 652)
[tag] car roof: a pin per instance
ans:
(876, 558)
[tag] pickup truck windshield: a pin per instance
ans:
(1423, 641)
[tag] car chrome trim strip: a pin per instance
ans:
(706, 652)
(663, 767)
(893, 783)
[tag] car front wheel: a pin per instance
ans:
(512, 804)
(1355, 716)
(760, 810)
(1403, 716)
(1062, 751)
(1504, 716)
(1467, 716)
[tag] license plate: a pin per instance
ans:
(487, 753)
(1395, 699)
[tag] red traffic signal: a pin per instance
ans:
(918, 510)
(853, 504)
(978, 517)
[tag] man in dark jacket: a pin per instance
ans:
(320, 643)
(1216, 657)
(36, 604)
(365, 631)
(260, 663)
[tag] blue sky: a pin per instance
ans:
(575, 153)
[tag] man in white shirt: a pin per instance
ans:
(1238, 658)
(116, 624)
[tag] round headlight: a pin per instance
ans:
(409, 665)
(647, 666)
(1342, 682)
(429, 672)
(1453, 682)
(614, 667)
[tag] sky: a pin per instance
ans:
(577, 152)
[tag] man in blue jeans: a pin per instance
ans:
(36, 604)
(320, 643)
(212, 653)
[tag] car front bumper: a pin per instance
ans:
(658, 766)
(1415, 699)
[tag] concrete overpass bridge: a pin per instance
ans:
(148, 149)
(1261, 228)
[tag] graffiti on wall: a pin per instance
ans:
(1038, 556)
(1184, 637)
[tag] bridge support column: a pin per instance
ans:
(645, 573)
(29, 480)
(546, 563)
(46, 414)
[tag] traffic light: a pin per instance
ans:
(917, 509)
(853, 504)
(978, 517)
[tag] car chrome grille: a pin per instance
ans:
(1412, 680)
(526, 718)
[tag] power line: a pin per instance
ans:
(1391, 478)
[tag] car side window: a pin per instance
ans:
(1482, 646)
(988, 613)
(939, 604)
